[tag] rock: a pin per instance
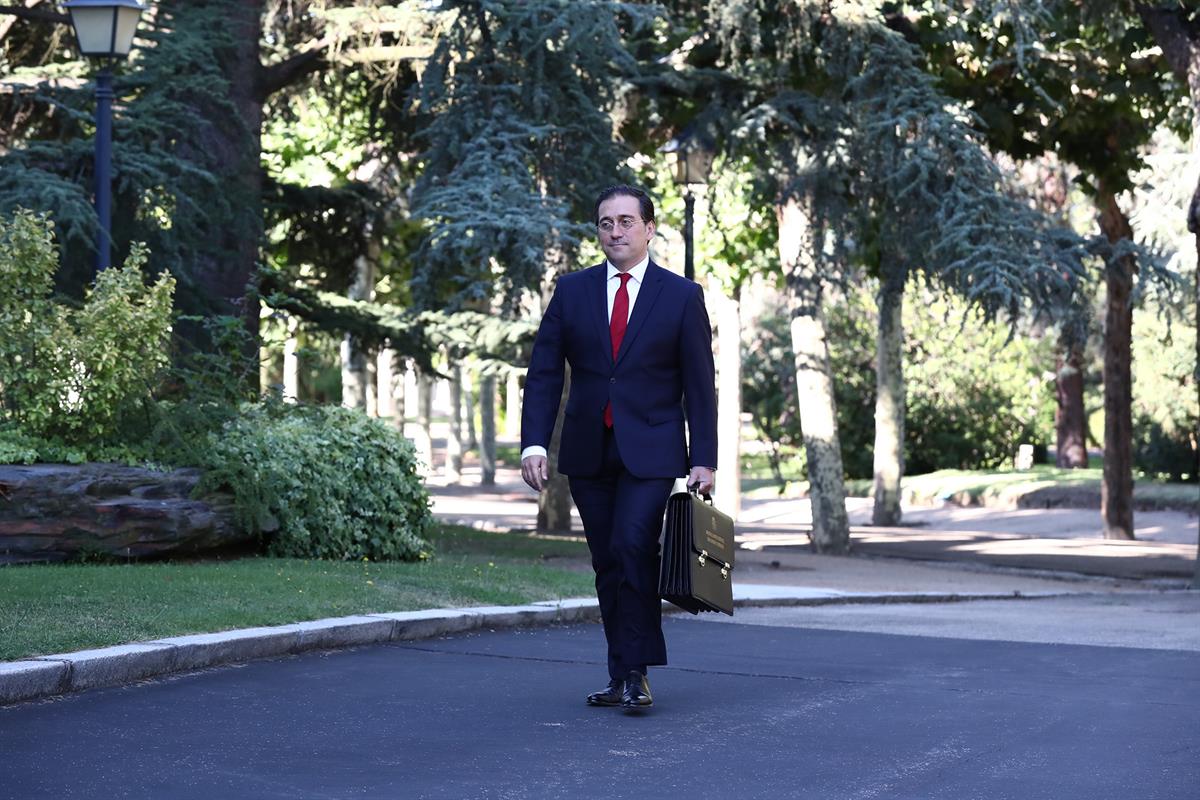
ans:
(56, 512)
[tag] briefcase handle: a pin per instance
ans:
(706, 496)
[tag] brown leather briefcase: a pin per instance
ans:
(697, 555)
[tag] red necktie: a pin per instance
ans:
(616, 330)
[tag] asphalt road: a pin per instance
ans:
(745, 711)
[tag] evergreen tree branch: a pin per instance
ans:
(498, 343)
(35, 14)
(287, 72)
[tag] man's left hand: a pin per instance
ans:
(706, 477)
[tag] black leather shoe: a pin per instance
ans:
(637, 692)
(607, 697)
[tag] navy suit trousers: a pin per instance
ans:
(622, 518)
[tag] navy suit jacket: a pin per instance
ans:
(663, 371)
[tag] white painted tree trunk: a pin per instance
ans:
(554, 501)
(512, 406)
(370, 391)
(814, 382)
(424, 436)
(889, 403)
(385, 384)
(471, 441)
(454, 443)
(487, 430)
(291, 363)
(356, 381)
(728, 494)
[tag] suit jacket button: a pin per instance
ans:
(612, 380)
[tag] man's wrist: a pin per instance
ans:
(533, 450)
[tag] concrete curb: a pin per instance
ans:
(46, 676)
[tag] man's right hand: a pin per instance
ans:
(536, 472)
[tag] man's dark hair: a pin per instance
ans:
(647, 205)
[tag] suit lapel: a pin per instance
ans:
(647, 294)
(597, 300)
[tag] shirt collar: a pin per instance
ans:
(638, 273)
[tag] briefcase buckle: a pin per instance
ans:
(703, 559)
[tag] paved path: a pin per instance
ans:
(1054, 540)
(746, 711)
(1089, 694)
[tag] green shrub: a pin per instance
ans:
(72, 375)
(1163, 453)
(971, 394)
(769, 388)
(322, 482)
(1166, 417)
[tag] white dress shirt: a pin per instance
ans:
(637, 275)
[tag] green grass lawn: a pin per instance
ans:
(48, 609)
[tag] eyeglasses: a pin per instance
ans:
(607, 225)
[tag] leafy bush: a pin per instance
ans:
(769, 387)
(1166, 418)
(95, 384)
(68, 374)
(1164, 453)
(19, 447)
(972, 395)
(322, 482)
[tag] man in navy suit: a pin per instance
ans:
(639, 344)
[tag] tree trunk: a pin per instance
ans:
(468, 412)
(224, 274)
(385, 383)
(424, 438)
(1194, 228)
(356, 382)
(1193, 224)
(291, 363)
(371, 392)
(399, 392)
(1116, 493)
(814, 382)
(454, 444)
(889, 401)
(554, 501)
(728, 494)
(266, 365)
(1070, 420)
(1180, 44)
(487, 426)
(512, 406)
(354, 374)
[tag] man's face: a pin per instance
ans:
(624, 235)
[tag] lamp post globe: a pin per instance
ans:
(693, 162)
(104, 29)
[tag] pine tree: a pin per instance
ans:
(892, 172)
(517, 101)
(1028, 58)
(188, 134)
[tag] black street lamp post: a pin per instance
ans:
(693, 161)
(104, 29)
